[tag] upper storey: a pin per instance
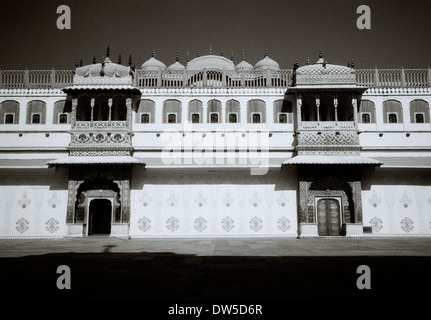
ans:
(214, 71)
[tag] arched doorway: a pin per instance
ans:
(100, 217)
(328, 212)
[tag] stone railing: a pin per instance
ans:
(104, 125)
(372, 78)
(327, 125)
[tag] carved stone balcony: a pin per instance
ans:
(327, 125)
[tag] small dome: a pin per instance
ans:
(153, 64)
(210, 62)
(176, 66)
(244, 65)
(267, 63)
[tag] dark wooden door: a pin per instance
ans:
(328, 217)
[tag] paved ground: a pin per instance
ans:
(216, 269)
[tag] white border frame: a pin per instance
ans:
(278, 117)
(235, 113)
(31, 117)
(218, 117)
(176, 117)
(8, 113)
(149, 117)
(419, 112)
(392, 112)
(253, 113)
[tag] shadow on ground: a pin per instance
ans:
(170, 276)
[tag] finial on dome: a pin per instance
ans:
(80, 63)
(221, 52)
(153, 53)
(308, 61)
(231, 57)
(107, 52)
(76, 63)
(352, 64)
(197, 54)
(243, 56)
(177, 57)
(348, 64)
(296, 64)
(119, 59)
(320, 54)
(266, 52)
(102, 72)
(324, 63)
(94, 60)
(130, 60)
(211, 49)
(188, 58)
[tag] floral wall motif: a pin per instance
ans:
(200, 199)
(283, 224)
(407, 224)
(405, 201)
(376, 224)
(200, 224)
(256, 224)
(228, 224)
(255, 199)
(172, 224)
(52, 225)
(172, 199)
(145, 199)
(53, 201)
(374, 199)
(144, 224)
(24, 201)
(22, 225)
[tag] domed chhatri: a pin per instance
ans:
(153, 64)
(267, 63)
(323, 72)
(104, 72)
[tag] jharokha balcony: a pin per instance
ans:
(370, 78)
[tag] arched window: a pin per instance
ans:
(62, 111)
(233, 118)
(214, 117)
(36, 112)
(419, 111)
(195, 117)
(256, 107)
(392, 118)
(365, 118)
(146, 107)
(419, 118)
(367, 111)
(172, 111)
(283, 111)
(145, 118)
(256, 117)
(9, 112)
(213, 110)
(232, 111)
(35, 118)
(392, 111)
(63, 118)
(172, 118)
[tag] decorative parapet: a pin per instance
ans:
(371, 78)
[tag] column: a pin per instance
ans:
(355, 108)
(109, 113)
(318, 107)
(73, 115)
(49, 118)
(270, 112)
(184, 112)
(158, 111)
(298, 108)
(335, 107)
(129, 113)
(92, 107)
(243, 111)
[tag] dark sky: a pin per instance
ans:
(400, 34)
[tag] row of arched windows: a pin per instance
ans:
(36, 112)
(172, 111)
(393, 111)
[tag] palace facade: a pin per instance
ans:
(215, 149)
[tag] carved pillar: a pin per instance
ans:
(71, 201)
(74, 107)
(125, 202)
(129, 112)
(318, 107)
(355, 109)
(109, 112)
(92, 107)
(298, 108)
(357, 200)
(303, 195)
(335, 107)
